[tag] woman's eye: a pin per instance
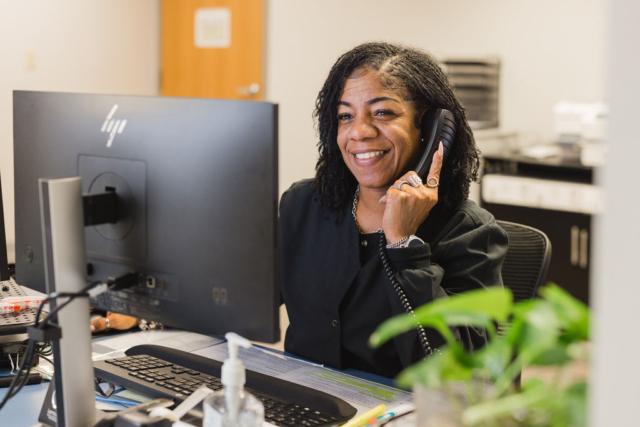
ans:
(344, 116)
(384, 113)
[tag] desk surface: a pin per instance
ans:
(24, 408)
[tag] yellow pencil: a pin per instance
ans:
(364, 419)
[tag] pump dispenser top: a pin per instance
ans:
(233, 371)
(231, 406)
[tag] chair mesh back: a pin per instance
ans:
(527, 260)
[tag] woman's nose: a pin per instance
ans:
(362, 128)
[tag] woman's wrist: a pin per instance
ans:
(406, 241)
(393, 236)
(398, 243)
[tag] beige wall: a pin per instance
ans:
(97, 46)
(551, 50)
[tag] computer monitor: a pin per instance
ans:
(4, 267)
(197, 194)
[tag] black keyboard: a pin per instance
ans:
(163, 372)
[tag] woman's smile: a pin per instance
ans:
(366, 158)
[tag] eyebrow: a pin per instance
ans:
(371, 101)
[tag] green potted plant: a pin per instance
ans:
(458, 388)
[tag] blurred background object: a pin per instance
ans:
(212, 48)
(476, 83)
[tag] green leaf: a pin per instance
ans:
(573, 314)
(555, 356)
(539, 328)
(578, 350)
(532, 383)
(494, 302)
(535, 330)
(461, 318)
(434, 371)
(478, 320)
(493, 358)
(576, 398)
(390, 328)
(474, 308)
(513, 334)
(404, 322)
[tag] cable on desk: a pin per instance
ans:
(120, 282)
(45, 358)
(119, 402)
(28, 360)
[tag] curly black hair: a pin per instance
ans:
(423, 82)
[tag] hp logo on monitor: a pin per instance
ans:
(113, 126)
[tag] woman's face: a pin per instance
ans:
(376, 131)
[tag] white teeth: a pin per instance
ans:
(369, 155)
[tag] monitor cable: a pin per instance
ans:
(22, 376)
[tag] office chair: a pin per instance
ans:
(527, 261)
(525, 265)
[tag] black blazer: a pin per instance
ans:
(320, 260)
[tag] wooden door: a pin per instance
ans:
(212, 48)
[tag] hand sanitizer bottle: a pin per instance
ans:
(232, 406)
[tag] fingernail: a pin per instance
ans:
(93, 328)
(382, 199)
(441, 149)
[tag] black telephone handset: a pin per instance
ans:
(438, 125)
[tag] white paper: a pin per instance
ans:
(186, 341)
(212, 27)
(542, 151)
(44, 368)
(361, 394)
(256, 359)
(134, 396)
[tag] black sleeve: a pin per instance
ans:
(469, 256)
(283, 208)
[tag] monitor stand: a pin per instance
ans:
(61, 210)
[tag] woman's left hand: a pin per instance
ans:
(408, 207)
(116, 321)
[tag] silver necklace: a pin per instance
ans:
(353, 212)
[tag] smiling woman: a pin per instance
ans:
(365, 193)
(376, 131)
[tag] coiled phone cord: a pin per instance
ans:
(422, 334)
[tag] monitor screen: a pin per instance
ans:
(197, 194)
